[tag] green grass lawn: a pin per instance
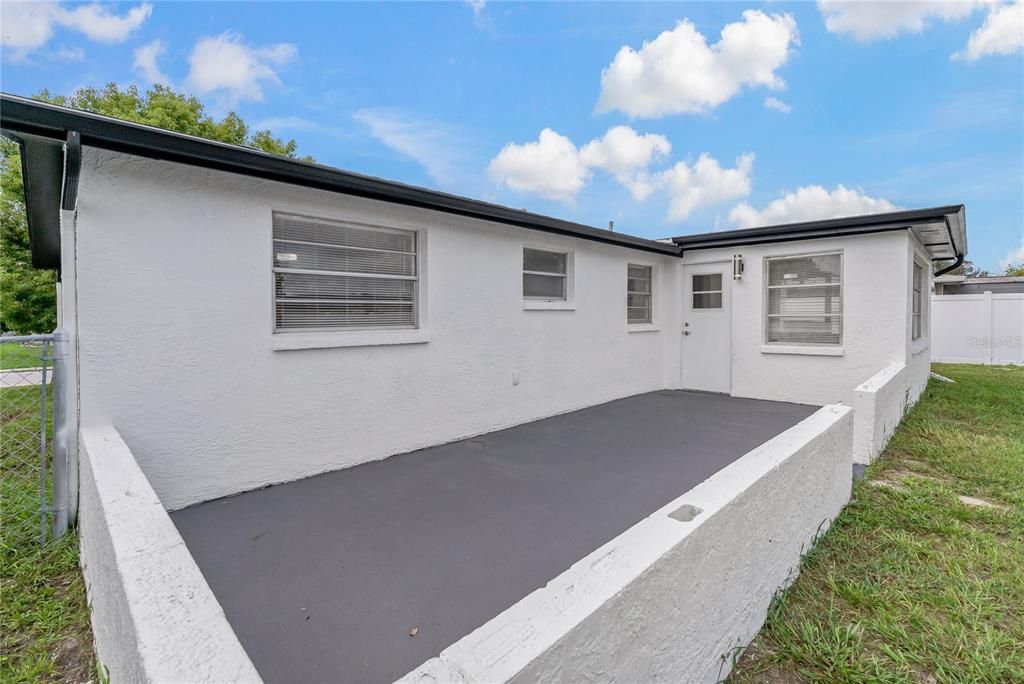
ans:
(14, 355)
(44, 619)
(910, 584)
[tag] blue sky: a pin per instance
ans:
(656, 116)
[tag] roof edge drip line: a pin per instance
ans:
(72, 171)
(42, 120)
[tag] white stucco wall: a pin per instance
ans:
(875, 325)
(919, 352)
(879, 405)
(176, 344)
(154, 618)
(670, 600)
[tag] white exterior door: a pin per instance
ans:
(707, 327)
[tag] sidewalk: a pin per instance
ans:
(22, 377)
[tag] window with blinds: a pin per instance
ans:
(335, 275)
(803, 297)
(917, 318)
(545, 274)
(638, 294)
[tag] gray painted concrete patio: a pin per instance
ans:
(323, 579)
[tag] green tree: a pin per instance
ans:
(970, 270)
(1015, 270)
(28, 301)
(27, 296)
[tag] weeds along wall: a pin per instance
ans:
(177, 349)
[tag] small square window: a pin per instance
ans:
(707, 291)
(545, 274)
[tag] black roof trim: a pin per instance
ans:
(24, 115)
(850, 225)
(42, 171)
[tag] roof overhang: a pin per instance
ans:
(42, 172)
(941, 230)
(25, 117)
(50, 137)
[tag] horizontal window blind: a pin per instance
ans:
(544, 274)
(340, 275)
(638, 294)
(804, 300)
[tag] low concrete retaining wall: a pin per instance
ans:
(878, 407)
(154, 618)
(675, 596)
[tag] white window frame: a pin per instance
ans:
(566, 303)
(636, 325)
(323, 338)
(810, 348)
(921, 316)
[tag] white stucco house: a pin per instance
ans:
(242, 320)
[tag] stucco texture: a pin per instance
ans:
(154, 618)
(176, 347)
(176, 344)
(875, 305)
(671, 601)
(345, 564)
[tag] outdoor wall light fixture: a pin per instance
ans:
(737, 266)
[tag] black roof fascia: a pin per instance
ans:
(42, 172)
(29, 116)
(851, 225)
(839, 227)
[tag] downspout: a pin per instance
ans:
(72, 171)
(65, 404)
(959, 261)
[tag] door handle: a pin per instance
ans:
(686, 332)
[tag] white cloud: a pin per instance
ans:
(705, 183)
(777, 104)
(554, 168)
(550, 167)
(28, 26)
(1001, 34)
(626, 154)
(145, 63)
(480, 18)
(75, 54)
(225, 65)
(99, 23)
(1013, 257)
(809, 203)
(679, 73)
(433, 145)
(867, 21)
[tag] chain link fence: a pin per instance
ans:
(26, 440)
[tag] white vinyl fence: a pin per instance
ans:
(978, 328)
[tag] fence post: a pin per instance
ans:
(987, 317)
(64, 456)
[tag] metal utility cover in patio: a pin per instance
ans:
(325, 579)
